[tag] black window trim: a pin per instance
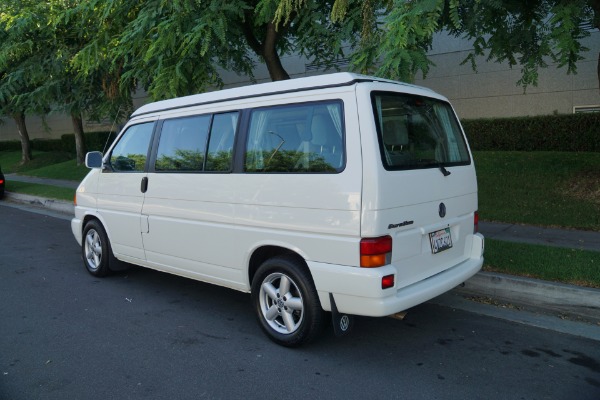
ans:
(415, 167)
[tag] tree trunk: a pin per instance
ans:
(267, 49)
(595, 4)
(19, 118)
(80, 148)
(272, 60)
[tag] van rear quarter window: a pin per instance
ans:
(417, 132)
(298, 138)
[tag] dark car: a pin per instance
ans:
(2, 183)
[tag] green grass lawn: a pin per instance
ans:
(45, 165)
(64, 170)
(578, 267)
(11, 161)
(540, 188)
(34, 189)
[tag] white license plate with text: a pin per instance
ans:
(440, 240)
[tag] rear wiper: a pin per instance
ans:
(444, 170)
(433, 163)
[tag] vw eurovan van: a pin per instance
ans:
(333, 195)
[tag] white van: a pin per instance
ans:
(339, 193)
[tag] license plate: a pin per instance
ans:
(440, 240)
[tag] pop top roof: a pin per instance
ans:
(262, 89)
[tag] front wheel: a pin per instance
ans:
(286, 302)
(95, 249)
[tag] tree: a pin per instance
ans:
(394, 43)
(18, 60)
(68, 91)
(37, 53)
(175, 47)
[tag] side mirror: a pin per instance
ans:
(93, 159)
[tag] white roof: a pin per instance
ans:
(261, 89)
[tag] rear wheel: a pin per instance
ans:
(286, 301)
(96, 249)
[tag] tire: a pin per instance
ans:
(95, 249)
(286, 302)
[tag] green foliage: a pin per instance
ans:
(176, 48)
(68, 170)
(10, 145)
(183, 160)
(76, 56)
(11, 161)
(539, 188)
(34, 189)
(286, 161)
(572, 132)
(96, 141)
(578, 267)
(525, 34)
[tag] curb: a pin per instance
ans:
(551, 297)
(60, 206)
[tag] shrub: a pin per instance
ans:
(10, 145)
(570, 132)
(95, 141)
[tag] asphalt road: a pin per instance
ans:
(147, 335)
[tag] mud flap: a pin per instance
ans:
(342, 323)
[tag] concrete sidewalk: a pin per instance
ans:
(42, 181)
(555, 300)
(569, 238)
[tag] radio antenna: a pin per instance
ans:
(111, 129)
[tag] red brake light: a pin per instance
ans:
(1, 181)
(387, 282)
(476, 222)
(375, 252)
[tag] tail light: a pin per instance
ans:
(387, 282)
(375, 252)
(476, 222)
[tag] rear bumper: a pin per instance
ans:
(358, 290)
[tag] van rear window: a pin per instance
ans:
(417, 132)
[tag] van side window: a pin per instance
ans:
(220, 147)
(299, 138)
(131, 152)
(182, 144)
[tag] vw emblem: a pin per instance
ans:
(442, 210)
(344, 323)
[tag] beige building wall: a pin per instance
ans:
(490, 92)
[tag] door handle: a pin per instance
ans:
(144, 185)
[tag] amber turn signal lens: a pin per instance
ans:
(375, 252)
